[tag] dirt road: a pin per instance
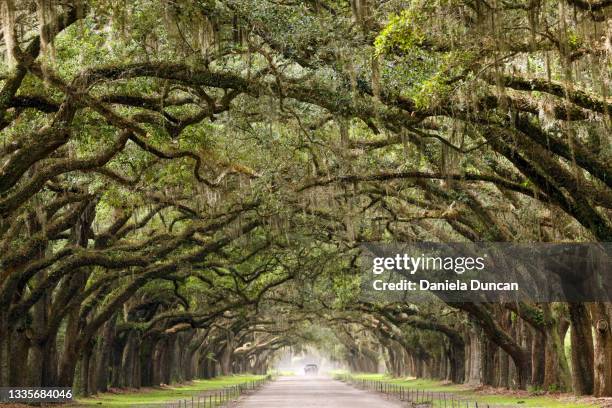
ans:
(302, 392)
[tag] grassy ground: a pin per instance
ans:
(490, 396)
(277, 373)
(152, 396)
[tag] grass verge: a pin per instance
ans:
(160, 395)
(491, 396)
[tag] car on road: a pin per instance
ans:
(311, 369)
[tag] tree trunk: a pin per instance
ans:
(19, 358)
(556, 374)
(582, 349)
(504, 370)
(600, 313)
(130, 362)
(92, 374)
(166, 362)
(5, 347)
(42, 360)
(104, 351)
(116, 356)
(226, 358)
(475, 376)
(456, 358)
(538, 359)
(147, 362)
(80, 236)
(70, 354)
(84, 378)
(488, 361)
(493, 331)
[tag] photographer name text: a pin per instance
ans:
(423, 284)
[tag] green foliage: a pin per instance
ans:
(402, 33)
(292, 138)
(425, 69)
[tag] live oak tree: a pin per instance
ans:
(175, 176)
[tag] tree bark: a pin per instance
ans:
(5, 348)
(72, 339)
(456, 358)
(556, 374)
(104, 351)
(494, 332)
(538, 359)
(582, 349)
(84, 372)
(20, 345)
(600, 313)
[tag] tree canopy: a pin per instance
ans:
(184, 185)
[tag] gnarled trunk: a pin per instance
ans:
(582, 349)
(600, 313)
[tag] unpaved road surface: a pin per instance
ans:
(302, 392)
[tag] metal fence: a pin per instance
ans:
(220, 397)
(414, 396)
